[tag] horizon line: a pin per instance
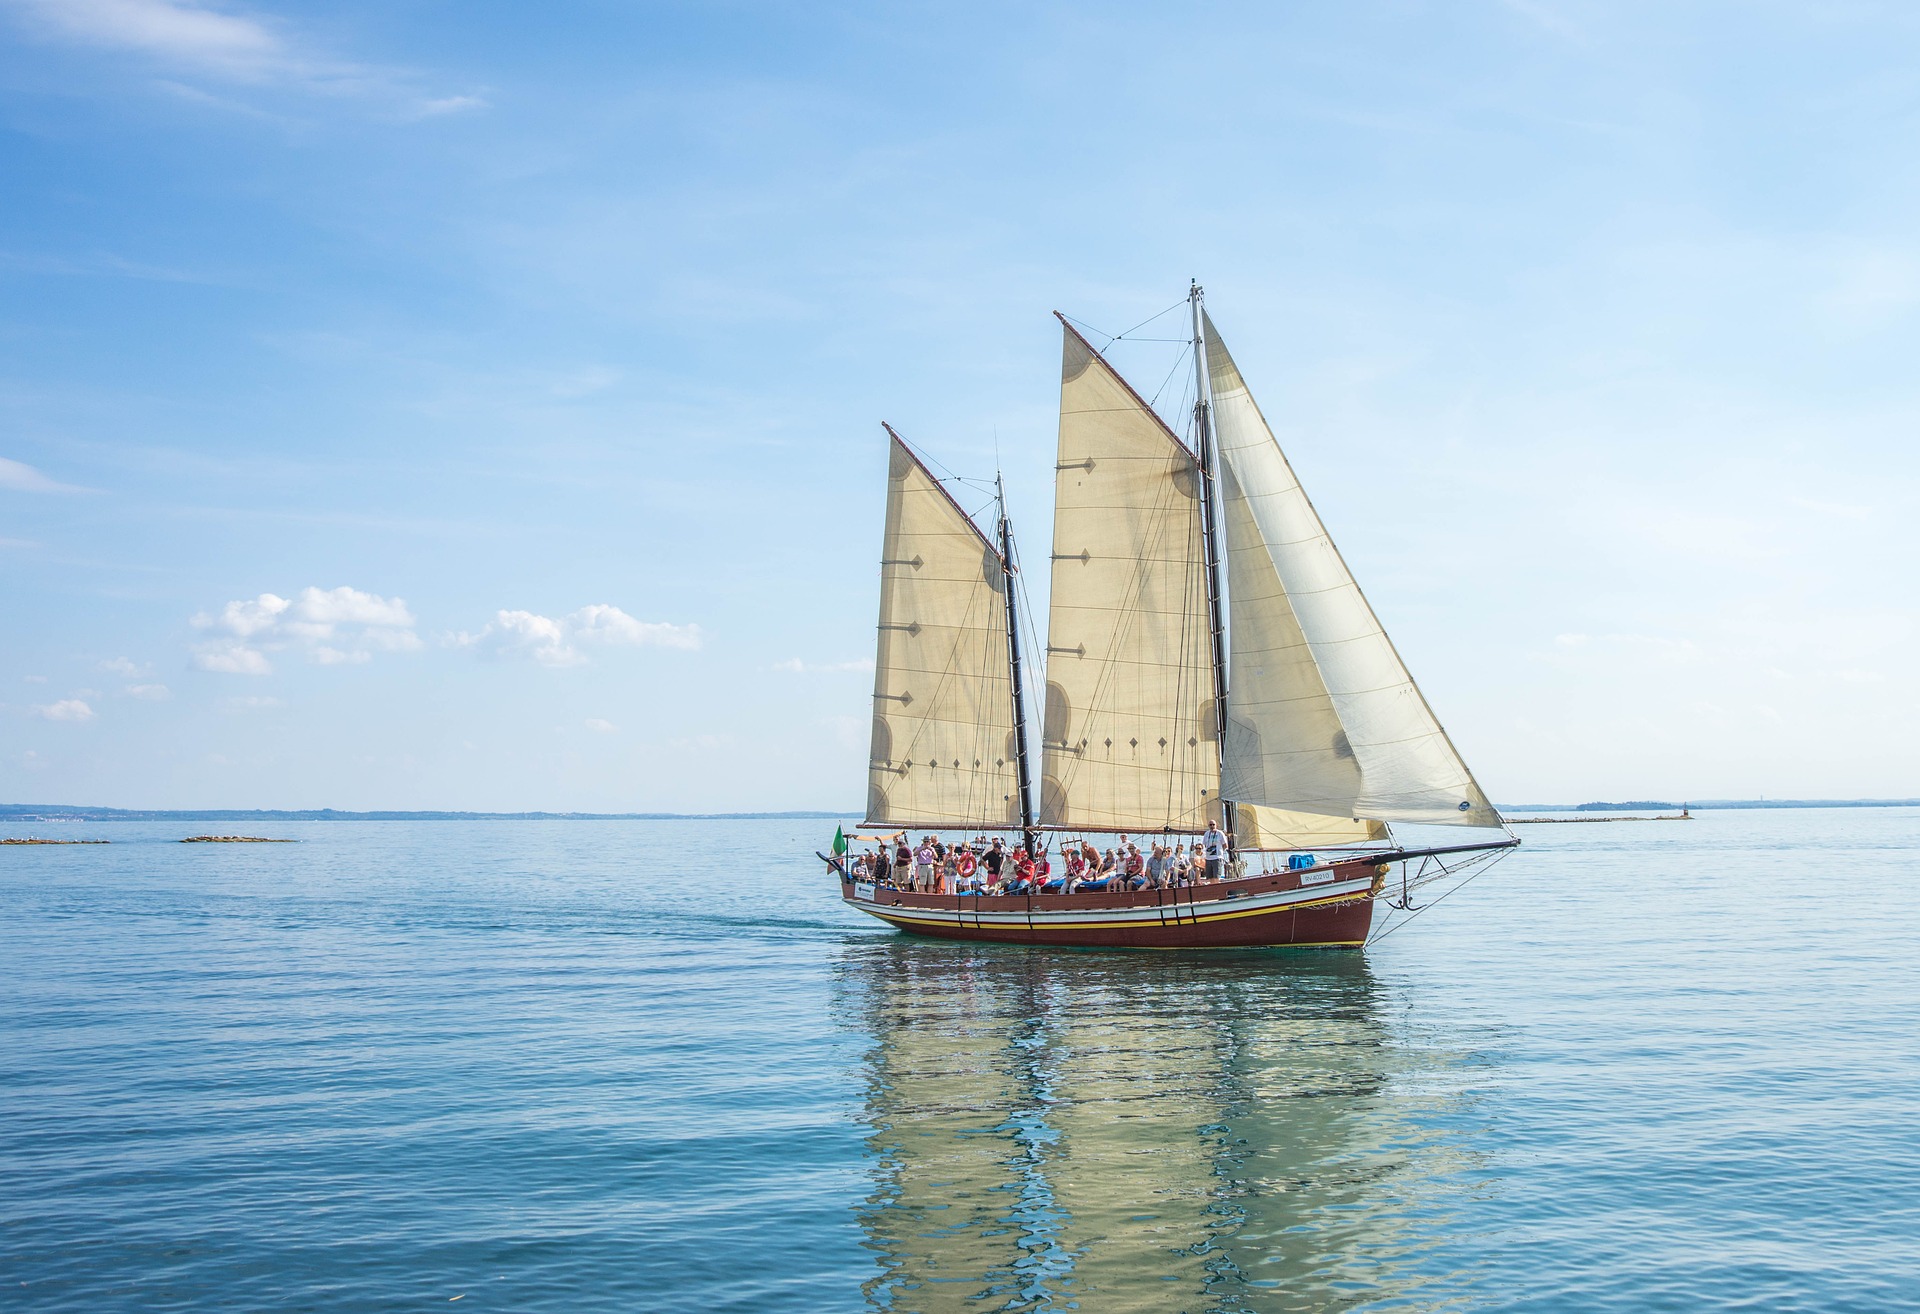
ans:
(71, 811)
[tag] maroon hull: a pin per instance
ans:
(1330, 905)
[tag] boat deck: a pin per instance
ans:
(1327, 904)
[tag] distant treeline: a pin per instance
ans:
(1698, 804)
(64, 812)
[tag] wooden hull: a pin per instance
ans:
(1323, 906)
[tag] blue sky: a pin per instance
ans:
(477, 405)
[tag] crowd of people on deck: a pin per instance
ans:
(987, 866)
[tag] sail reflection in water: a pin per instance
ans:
(1239, 1132)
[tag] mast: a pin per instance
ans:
(1021, 768)
(1209, 498)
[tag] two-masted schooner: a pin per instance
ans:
(1275, 706)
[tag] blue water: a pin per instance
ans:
(572, 1066)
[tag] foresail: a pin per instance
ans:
(942, 751)
(1276, 828)
(1323, 717)
(1128, 725)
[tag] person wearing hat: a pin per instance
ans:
(1214, 845)
(994, 860)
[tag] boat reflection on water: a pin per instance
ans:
(1232, 1131)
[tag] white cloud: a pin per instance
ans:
(152, 693)
(67, 709)
(335, 627)
(122, 666)
(231, 657)
(34, 679)
(522, 633)
(560, 642)
(23, 478)
(599, 726)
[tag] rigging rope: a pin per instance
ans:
(1485, 863)
(1117, 337)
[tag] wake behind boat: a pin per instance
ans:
(1270, 719)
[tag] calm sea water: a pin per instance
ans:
(570, 1066)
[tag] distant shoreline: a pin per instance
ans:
(69, 812)
(1713, 804)
(63, 812)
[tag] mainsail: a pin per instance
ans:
(1129, 738)
(1128, 730)
(1323, 717)
(942, 751)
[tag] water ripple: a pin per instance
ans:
(527, 1065)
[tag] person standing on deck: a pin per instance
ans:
(995, 859)
(1214, 845)
(923, 866)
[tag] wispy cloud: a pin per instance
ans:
(67, 709)
(103, 264)
(23, 478)
(599, 726)
(152, 693)
(333, 626)
(227, 44)
(563, 641)
(427, 109)
(122, 666)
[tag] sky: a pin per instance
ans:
(477, 405)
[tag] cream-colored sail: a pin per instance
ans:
(1277, 828)
(1324, 717)
(942, 752)
(1128, 724)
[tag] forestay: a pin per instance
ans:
(942, 751)
(1323, 716)
(1128, 739)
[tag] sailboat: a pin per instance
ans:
(1271, 704)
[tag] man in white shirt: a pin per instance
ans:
(1214, 845)
(923, 865)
